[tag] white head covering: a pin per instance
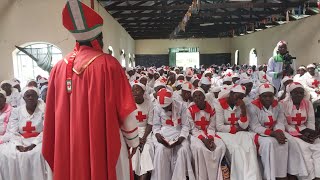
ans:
(198, 89)
(236, 75)
(42, 80)
(206, 72)
(30, 88)
(205, 80)
(249, 71)
(193, 79)
(3, 93)
(311, 66)
(5, 82)
(266, 87)
(187, 86)
(215, 89)
(280, 43)
(159, 82)
(302, 67)
(180, 75)
(136, 82)
(164, 97)
(285, 79)
(189, 73)
(238, 88)
(293, 86)
(245, 80)
(227, 78)
(129, 69)
(179, 82)
(14, 83)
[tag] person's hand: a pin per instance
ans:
(143, 141)
(280, 137)
(134, 150)
(21, 148)
(180, 140)
(26, 149)
(241, 129)
(307, 139)
(212, 145)
(161, 140)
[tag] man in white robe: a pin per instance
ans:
(207, 148)
(172, 159)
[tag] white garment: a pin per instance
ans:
(16, 164)
(298, 120)
(202, 125)
(4, 119)
(240, 145)
(171, 163)
(14, 98)
(142, 161)
(177, 96)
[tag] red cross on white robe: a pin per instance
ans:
(203, 123)
(141, 117)
(271, 122)
(298, 119)
(29, 130)
(316, 83)
(233, 119)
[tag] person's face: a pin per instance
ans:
(196, 83)
(235, 79)
(139, 71)
(144, 81)
(178, 87)
(205, 87)
(208, 75)
(265, 68)
(301, 72)
(188, 78)
(248, 87)
(216, 94)
(185, 95)
(156, 76)
(137, 93)
(227, 83)
(161, 72)
(297, 95)
(150, 76)
(2, 101)
(199, 98)
(131, 73)
(33, 84)
(267, 99)
(254, 68)
(180, 78)
(177, 71)
(31, 98)
(283, 49)
(287, 82)
(311, 71)
(234, 96)
(7, 88)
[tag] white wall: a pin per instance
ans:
(302, 36)
(23, 21)
(206, 46)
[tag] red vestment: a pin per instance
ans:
(81, 138)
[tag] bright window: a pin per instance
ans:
(253, 59)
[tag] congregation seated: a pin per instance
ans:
(12, 94)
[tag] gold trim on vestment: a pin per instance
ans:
(86, 65)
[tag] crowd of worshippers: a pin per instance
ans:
(218, 122)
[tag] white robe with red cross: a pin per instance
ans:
(202, 124)
(171, 163)
(142, 161)
(277, 159)
(240, 145)
(312, 84)
(23, 130)
(296, 121)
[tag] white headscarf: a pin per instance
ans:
(164, 97)
(198, 89)
(30, 88)
(266, 87)
(136, 82)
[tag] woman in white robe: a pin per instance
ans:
(172, 160)
(20, 149)
(142, 160)
(5, 111)
(12, 94)
(267, 122)
(206, 147)
(232, 126)
(300, 125)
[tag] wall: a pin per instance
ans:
(24, 21)
(206, 46)
(302, 37)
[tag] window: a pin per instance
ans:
(122, 58)
(110, 51)
(25, 68)
(236, 57)
(253, 59)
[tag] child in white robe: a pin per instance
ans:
(172, 160)
(299, 122)
(207, 148)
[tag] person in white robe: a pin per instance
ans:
(195, 81)
(282, 94)
(300, 124)
(189, 74)
(142, 160)
(311, 82)
(267, 124)
(12, 94)
(20, 148)
(212, 96)
(144, 80)
(300, 72)
(275, 70)
(184, 95)
(151, 80)
(5, 111)
(250, 94)
(205, 84)
(207, 148)
(232, 126)
(131, 74)
(159, 84)
(172, 160)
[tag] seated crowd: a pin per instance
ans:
(220, 122)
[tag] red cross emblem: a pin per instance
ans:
(203, 123)
(162, 94)
(266, 85)
(29, 130)
(298, 119)
(264, 76)
(271, 122)
(140, 117)
(233, 119)
(316, 83)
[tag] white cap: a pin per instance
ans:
(164, 97)
(187, 86)
(205, 80)
(136, 82)
(238, 88)
(266, 87)
(198, 89)
(30, 88)
(311, 66)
